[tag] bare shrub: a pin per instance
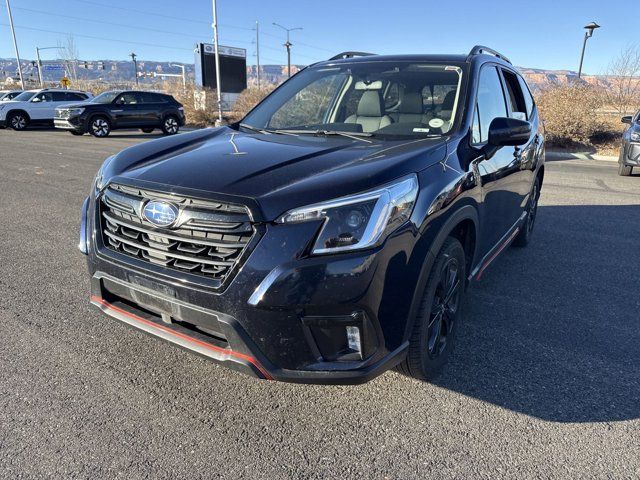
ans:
(570, 113)
(247, 100)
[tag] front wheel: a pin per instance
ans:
(436, 323)
(99, 127)
(18, 121)
(170, 125)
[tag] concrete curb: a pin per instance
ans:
(551, 155)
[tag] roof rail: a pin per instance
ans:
(480, 49)
(342, 55)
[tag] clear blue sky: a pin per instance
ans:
(543, 33)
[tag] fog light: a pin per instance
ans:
(353, 339)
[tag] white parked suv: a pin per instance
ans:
(37, 107)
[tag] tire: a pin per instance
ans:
(170, 125)
(524, 236)
(18, 121)
(76, 133)
(433, 335)
(147, 130)
(99, 126)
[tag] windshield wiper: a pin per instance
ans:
(265, 131)
(352, 135)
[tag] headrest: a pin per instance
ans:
(449, 98)
(377, 85)
(411, 103)
(370, 104)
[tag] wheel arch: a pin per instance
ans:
(18, 110)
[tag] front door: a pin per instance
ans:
(125, 110)
(501, 189)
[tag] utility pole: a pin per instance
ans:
(40, 74)
(217, 52)
(15, 44)
(39, 67)
(587, 35)
(288, 45)
(135, 66)
(258, 52)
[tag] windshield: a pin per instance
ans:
(380, 99)
(106, 97)
(24, 96)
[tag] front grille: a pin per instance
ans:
(208, 238)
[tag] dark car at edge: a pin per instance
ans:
(122, 109)
(331, 234)
(630, 149)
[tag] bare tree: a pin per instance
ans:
(623, 91)
(68, 52)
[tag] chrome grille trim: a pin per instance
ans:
(208, 238)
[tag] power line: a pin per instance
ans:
(99, 38)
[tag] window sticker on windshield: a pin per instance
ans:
(421, 130)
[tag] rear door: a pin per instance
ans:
(501, 189)
(126, 110)
(151, 107)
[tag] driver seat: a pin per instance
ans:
(369, 113)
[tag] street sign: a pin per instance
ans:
(65, 82)
(53, 67)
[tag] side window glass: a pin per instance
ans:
(490, 102)
(148, 98)
(44, 97)
(127, 99)
(515, 97)
(528, 98)
(59, 96)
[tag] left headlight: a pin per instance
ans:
(359, 221)
(74, 112)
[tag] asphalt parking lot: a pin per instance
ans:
(545, 382)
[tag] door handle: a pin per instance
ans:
(117, 111)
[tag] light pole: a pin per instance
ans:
(258, 52)
(15, 44)
(217, 52)
(135, 66)
(590, 27)
(40, 74)
(184, 78)
(288, 45)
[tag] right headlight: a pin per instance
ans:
(359, 221)
(635, 136)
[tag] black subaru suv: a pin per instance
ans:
(331, 234)
(630, 149)
(122, 109)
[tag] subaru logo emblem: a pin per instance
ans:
(161, 214)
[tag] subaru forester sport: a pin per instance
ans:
(332, 233)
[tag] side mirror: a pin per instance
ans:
(506, 132)
(627, 119)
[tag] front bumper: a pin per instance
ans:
(271, 319)
(74, 123)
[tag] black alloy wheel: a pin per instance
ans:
(439, 314)
(170, 125)
(99, 127)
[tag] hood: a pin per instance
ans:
(271, 173)
(73, 105)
